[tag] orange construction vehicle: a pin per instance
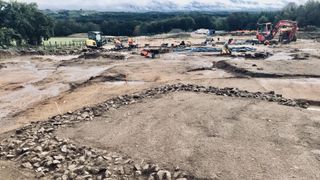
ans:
(150, 53)
(287, 31)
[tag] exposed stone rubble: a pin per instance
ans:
(300, 56)
(36, 147)
(239, 71)
(6, 54)
(29, 51)
(257, 55)
(97, 54)
(2, 66)
(58, 52)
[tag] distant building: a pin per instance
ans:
(205, 31)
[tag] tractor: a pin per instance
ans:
(287, 31)
(95, 40)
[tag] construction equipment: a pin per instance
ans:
(287, 31)
(95, 40)
(150, 53)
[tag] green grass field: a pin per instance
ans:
(64, 40)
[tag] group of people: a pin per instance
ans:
(225, 48)
(118, 44)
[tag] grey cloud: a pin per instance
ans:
(160, 5)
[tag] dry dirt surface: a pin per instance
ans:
(211, 137)
(206, 135)
(9, 171)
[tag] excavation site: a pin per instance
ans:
(151, 102)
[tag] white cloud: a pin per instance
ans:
(117, 5)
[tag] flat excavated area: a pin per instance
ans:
(8, 171)
(211, 136)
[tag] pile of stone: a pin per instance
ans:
(97, 54)
(2, 66)
(90, 55)
(115, 56)
(36, 147)
(239, 71)
(37, 52)
(300, 56)
(42, 52)
(257, 55)
(7, 54)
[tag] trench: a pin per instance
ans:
(223, 65)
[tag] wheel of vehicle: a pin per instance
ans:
(280, 39)
(294, 38)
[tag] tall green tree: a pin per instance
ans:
(26, 20)
(7, 36)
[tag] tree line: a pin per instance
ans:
(25, 23)
(134, 24)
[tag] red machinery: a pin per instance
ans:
(287, 31)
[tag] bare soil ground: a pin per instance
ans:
(228, 138)
(34, 88)
(9, 171)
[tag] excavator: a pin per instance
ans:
(287, 31)
(95, 40)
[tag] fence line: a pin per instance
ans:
(66, 44)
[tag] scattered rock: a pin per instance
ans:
(137, 173)
(35, 147)
(137, 167)
(146, 169)
(30, 51)
(64, 149)
(27, 165)
(121, 170)
(55, 162)
(164, 175)
(127, 170)
(107, 174)
(152, 176)
(10, 156)
(300, 56)
(257, 55)
(99, 53)
(38, 149)
(59, 157)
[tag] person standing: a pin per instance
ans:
(225, 49)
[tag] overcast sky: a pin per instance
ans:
(122, 4)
